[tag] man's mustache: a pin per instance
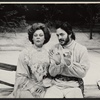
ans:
(61, 40)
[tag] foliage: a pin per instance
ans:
(18, 15)
(90, 15)
(11, 17)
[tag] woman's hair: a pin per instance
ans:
(38, 26)
(67, 28)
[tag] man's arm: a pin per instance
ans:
(56, 66)
(55, 69)
(79, 69)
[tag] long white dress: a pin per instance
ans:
(31, 68)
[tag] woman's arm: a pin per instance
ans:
(23, 79)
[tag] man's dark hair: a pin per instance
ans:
(66, 27)
(37, 26)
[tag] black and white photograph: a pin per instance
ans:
(49, 50)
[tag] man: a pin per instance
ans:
(69, 64)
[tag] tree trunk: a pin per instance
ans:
(91, 29)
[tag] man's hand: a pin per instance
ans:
(55, 56)
(67, 60)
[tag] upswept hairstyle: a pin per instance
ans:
(67, 28)
(37, 26)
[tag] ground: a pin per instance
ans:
(11, 45)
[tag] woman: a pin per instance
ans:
(33, 62)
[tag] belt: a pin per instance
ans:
(67, 78)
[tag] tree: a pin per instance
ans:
(89, 15)
(9, 16)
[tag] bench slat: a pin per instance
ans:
(5, 91)
(6, 83)
(8, 67)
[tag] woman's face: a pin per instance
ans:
(38, 38)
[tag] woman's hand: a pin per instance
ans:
(55, 56)
(38, 91)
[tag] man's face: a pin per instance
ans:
(63, 37)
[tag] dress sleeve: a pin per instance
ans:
(22, 78)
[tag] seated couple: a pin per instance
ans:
(54, 74)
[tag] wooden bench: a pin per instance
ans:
(90, 91)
